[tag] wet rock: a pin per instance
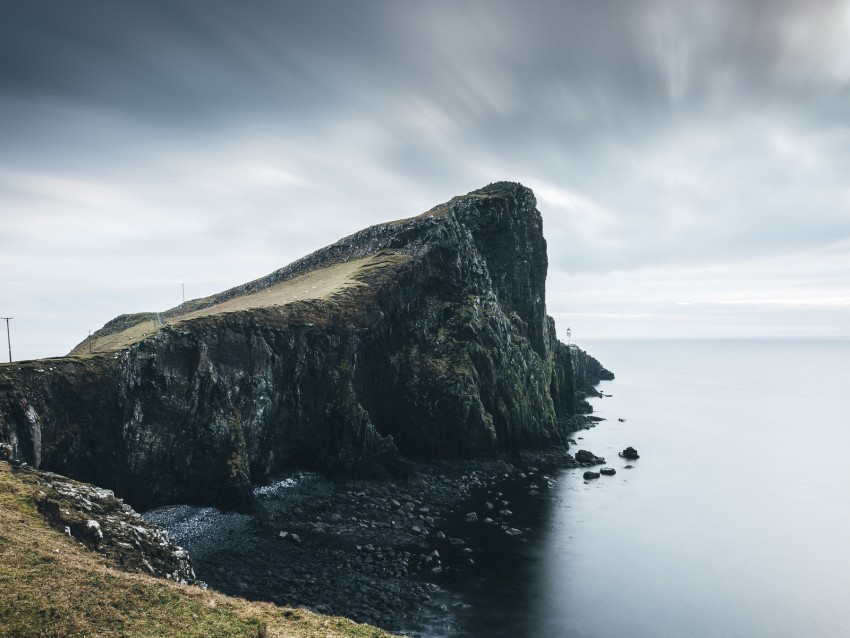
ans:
(590, 475)
(472, 517)
(608, 471)
(588, 458)
(629, 453)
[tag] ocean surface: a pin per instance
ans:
(735, 521)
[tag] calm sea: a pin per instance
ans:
(734, 522)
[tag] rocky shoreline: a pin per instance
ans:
(386, 553)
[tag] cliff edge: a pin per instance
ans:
(421, 338)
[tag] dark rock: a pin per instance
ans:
(588, 458)
(629, 453)
(591, 475)
(608, 471)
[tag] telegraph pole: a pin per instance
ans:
(89, 341)
(8, 338)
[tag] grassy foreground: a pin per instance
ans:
(53, 587)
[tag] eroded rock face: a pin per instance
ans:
(439, 347)
(108, 526)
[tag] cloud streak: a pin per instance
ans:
(145, 145)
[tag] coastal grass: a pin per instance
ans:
(53, 587)
(330, 282)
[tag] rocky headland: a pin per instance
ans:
(370, 421)
(425, 338)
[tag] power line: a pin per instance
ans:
(8, 337)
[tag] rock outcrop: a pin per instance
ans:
(105, 524)
(421, 338)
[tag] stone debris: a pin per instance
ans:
(386, 548)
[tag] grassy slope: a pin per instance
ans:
(52, 587)
(320, 284)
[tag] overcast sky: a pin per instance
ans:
(691, 159)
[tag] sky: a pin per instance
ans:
(690, 158)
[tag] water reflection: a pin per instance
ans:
(730, 524)
(500, 592)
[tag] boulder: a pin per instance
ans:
(629, 453)
(608, 471)
(588, 458)
(591, 475)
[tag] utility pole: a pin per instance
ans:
(8, 338)
(89, 341)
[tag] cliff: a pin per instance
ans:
(422, 338)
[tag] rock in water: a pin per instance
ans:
(630, 453)
(422, 338)
(608, 471)
(590, 475)
(588, 458)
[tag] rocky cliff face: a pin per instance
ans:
(422, 338)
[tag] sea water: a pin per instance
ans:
(735, 521)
